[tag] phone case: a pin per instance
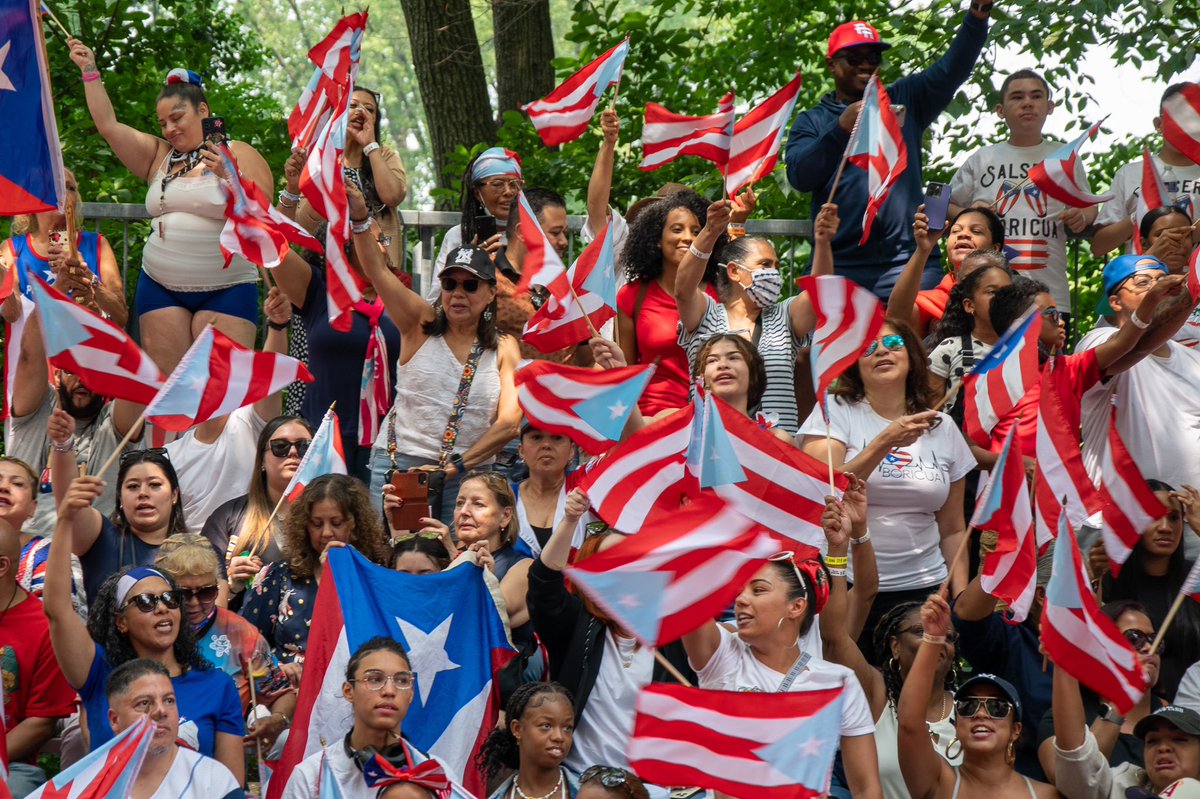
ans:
(413, 489)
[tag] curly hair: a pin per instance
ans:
(1009, 302)
(351, 497)
(956, 321)
(642, 257)
(917, 395)
(888, 630)
(500, 750)
(754, 362)
(101, 625)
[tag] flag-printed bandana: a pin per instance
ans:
(374, 394)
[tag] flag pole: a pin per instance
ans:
(670, 667)
(254, 706)
(116, 453)
(1162, 628)
(1008, 193)
(829, 456)
(586, 316)
(612, 106)
(54, 17)
(837, 178)
(944, 588)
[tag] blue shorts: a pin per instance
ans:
(240, 300)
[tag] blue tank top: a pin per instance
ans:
(29, 261)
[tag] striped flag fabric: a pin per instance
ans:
(107, 772)
(1081, 639)
(4, 792)
(324, 456)
(764, 478)
(1181, 121)
(877, 145)
(253, 228)
(757, 137)
(1129, 503)
(586, 292)
(677, 573)
(992, 388)
(99, 353)
(1193, 275)
(1191, 583)
(331, 82)
(542, 265)
(588, 406)
(565, 113)
(1009, 572)
(1056, 173)
(848, 319)
(217, 376)
(667, 136)
(735, 742)
(1153, 194)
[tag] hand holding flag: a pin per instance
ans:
(1010, 571)
(877, 145)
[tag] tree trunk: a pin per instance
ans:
(524, 50)
(449, 67)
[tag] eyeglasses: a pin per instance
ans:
(871, 57)
(375, 680)
(1140, 283)
(891, 342)
(1053, 314)
(280, 447)
(609, 777)
(146, 603)
(951, 636)
(994, 708)
(139, 455)
(500, 184)
(469, 284)
(1140, 640)
(790, 556)
(205, 594)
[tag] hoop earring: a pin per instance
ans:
(893, 665)
(1010, 756)
(950, 746)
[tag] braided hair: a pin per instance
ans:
(956, 322)
(499, 750)
(886, 630)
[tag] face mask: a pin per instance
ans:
(765, 286)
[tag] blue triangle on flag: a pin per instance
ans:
(62, 330)
(1063, 589)
(602, 280)
(634, 598)
(719, 463)
(806, 753)
(695, 450)
(607, 411)
(185, 387)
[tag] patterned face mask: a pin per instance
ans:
(765, 287)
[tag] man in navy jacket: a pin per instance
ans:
(817, 143)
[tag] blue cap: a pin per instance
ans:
(1120, 269)
(1007, 688)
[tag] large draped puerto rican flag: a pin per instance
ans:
(565, 113)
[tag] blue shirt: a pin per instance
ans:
(112, 551)
(207, 698)
(29, 262)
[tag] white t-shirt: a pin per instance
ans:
(607, 721)
(906, 489)
(1188, 694)
(1181, 182)
(733, 667)
(194, 776)
(212, 474)
(1031, 225)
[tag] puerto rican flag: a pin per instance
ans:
(324, 456)
(1153, 194)
(667, 136)
(588, 406)
(1191, 584)
(565, 113)
(542, 265)
(1081, 639)
(4, 792)
(848, 319)
(992, 388)
(1010, 572)
(757, 137)
(1027, 253)
(737, 743)
(1129, 504)
(877, 145)
(678, 572)
(587, 292)
(1193, 275)
(217, 376)
(335, 56)
(108, 772)
(101, 354)
(454, 635)
(1181, 121)
(1058, 173)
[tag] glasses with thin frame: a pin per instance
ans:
(375, 680)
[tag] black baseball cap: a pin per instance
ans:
(1183, 719)
(475, 260)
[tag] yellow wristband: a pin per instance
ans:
(837, 563)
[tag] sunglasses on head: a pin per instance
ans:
(608, 776)
(469, 284)
(1140, 640)
(139, 455)
(205, 593)
(872, 58)
(790, 557)
(147, 602)
(994, 708)
(891, 342)
(280, 447)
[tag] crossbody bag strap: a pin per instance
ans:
(460, 404)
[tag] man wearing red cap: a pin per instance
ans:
(817, 143)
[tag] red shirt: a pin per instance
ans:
(1065, 379)
(931, 303)
(33, 685)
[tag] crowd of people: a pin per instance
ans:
(181, 582)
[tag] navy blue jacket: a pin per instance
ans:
(817, 143)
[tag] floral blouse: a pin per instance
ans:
(281, 607)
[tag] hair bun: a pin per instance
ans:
(181, 75)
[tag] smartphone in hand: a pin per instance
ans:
(937, 204)
(213, 130)
(413, 490)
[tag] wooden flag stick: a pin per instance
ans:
(1007, 194)
(254, 705)
(829, 456)
(837, 178)
(116, 453)
(586, 316)
(1162, 628)
(944, 588)
(617, 86)
(56, 21)
(670, 667)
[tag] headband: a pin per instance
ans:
(181, 75)
(495, 161)
(132, 577)
(818, 578)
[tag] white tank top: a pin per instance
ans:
(183, 251)
(425, 389)
(887, 731)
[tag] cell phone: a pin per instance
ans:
(937, 204)
(213, 129)
(485, 228)
(901, 113)
(413, 489)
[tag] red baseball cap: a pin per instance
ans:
(853, 34)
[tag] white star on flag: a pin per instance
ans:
(427, 653)
(617, 410)
(5, 83)
(812, 747)
(629, 602)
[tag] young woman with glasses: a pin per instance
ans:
(987, 725)
(136, 613)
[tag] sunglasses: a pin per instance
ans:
(994, 708)
(206, 594)
(609, 777)
(790, 556)
(146, 603)
(139, 455)
(280, 447)
(1140, 640)
(469, 284)
(375, 680)
(951, 637)
(1053, 314)
(872, 58)
(892, 342)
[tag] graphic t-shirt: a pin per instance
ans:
(33, 685)
(1181, 182)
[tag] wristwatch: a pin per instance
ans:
(457, 462)
(1109, 713)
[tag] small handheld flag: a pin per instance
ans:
(589, 407)
(757, 137)
(1057, 174)
(565, 113)
(877, 145)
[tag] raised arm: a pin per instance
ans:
(407, 309)
(688, 277)
(73, 646)
(924, 770)
(825, 227)
(902, 302)
(557, 551)
(1130, 344)
(600, 185)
